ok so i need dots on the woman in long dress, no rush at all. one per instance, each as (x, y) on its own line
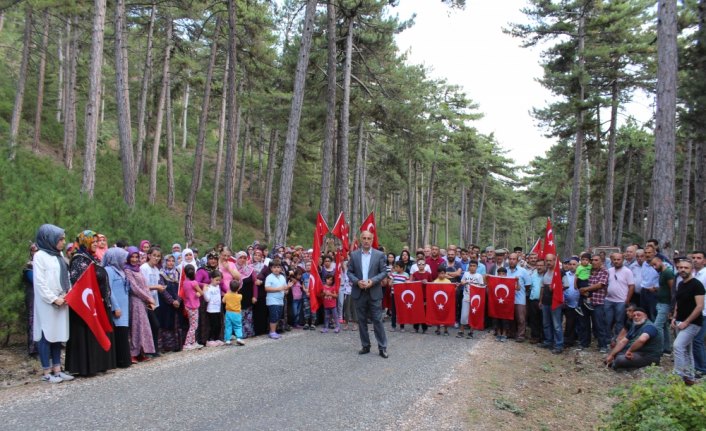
(114, 261)
(141, 341)
(84, 355)
(51, 313)
(169, 312)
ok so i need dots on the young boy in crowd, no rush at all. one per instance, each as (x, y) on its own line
(398, 276)
(583, 272)
(441, 278)
(471, 276)
(425, 277)
(234, 320)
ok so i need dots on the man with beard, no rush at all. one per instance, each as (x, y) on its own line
(664, 300)
(642, 346)
(434, 261)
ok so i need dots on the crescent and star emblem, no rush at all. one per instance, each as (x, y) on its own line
(475, 308)
(446, 299)
(501, 287)
(84, 297)
(414, 297)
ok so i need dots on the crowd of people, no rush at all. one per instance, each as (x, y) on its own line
(167, 300)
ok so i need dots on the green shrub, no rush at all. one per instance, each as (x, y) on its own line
(659, 402)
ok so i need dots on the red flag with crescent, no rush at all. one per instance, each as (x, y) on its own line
(557, 287)
(370, 226)
(338, 271)
(476, 311)
(409, 302)
(340, 231)
(86, 301)
(441, 304)
(501, 297)
(316, 288)
(321, 227)
(549, 244)
(537, 249)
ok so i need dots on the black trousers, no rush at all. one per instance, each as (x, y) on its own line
(154, 326)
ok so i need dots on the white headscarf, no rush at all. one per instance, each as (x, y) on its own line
(185, 263)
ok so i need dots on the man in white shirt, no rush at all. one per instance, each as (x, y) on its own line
(699, 260)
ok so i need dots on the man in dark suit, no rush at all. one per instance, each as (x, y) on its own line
(366, 269)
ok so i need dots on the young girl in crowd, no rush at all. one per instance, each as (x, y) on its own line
(309, 317)
(234, 320)
(425, 277)
(212, 295)
(295, 285)
(348, 306)
(330, 305)
(276, 287)
(191, 293)
(398, 276)
(469, 277)
(441, 278)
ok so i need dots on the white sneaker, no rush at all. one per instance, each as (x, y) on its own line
(50, 378)
(228, 343)
(239, 342)
(198, 346)
(63, 376)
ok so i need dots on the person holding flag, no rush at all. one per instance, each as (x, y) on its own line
(551, 315)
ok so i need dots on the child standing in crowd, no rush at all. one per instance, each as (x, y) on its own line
(212, 295)
(234, 321)
(425, 277)
(275, 286)
(583, 272)
(502, 326)
(398, 276)
(309, 317)
(191, 292)
(330, 305)
(441, 278)
(469, 277)
(348, 305)
(295, 285)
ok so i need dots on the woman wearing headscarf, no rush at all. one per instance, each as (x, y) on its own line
(144, 248)
(203, 278)
(227, 267)
(249, 291)
(28, 281)
(102, 246)
(188, 258)
(259, 313)
(113, 262)
(84, 355)
(171, 319)
(141, 342)
(51, 314)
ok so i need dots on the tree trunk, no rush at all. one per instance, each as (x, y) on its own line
(587, 218)
(290, 148)
(480, 210)
(430, 203)
(685, 190)
(462, 217)
(342, 175)
(446, 223)
(364, 173)
(170, 144)
(2, 20)
(623, 205)
(201, 142)
(330, 130)
(357, 175)
(95, 77)
(271, 152)
(185, 112)
(144, 93)
(122, 98)
(411, 193)
(160, 113)
(243, 161)
(469, 212)
(699, 197)
(260, 150)
(70, 96)
(610, 169)
(575, 203)
(663, 183)
(60, 78)
(232, 115)
(40, 81)
(21, 80)
(219, 155)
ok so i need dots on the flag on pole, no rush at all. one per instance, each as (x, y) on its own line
(340, 231)
(86, 300)
(441, 304)
(476, 312)
(549, 244)
(316, 288)
(501, 297)
(557, 286)
(537, 249)
(370, 226)
(409, 303)
(321, 226)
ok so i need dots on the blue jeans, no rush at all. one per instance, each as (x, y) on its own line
(47, 350)
(296, 310)
(614, 317)
(648, 301)
(683, 356)
(553, 332)
(234, 325)
(601, 325)
(699, 352)
(662, 324)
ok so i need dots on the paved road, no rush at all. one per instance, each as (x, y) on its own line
(305, 381)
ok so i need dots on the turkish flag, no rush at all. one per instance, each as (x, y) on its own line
(537, 249)
(338, 272)
(557, 287)
(316, 250)
(441, 304)
(501, 297)
(321, 227)
(476, 312)
(316, 288)
(370, 226)
(340, 231)
(86, 301)
(409, 302)
(549, 244)
(355, 245)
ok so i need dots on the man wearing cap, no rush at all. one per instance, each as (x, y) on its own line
(642, 345)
